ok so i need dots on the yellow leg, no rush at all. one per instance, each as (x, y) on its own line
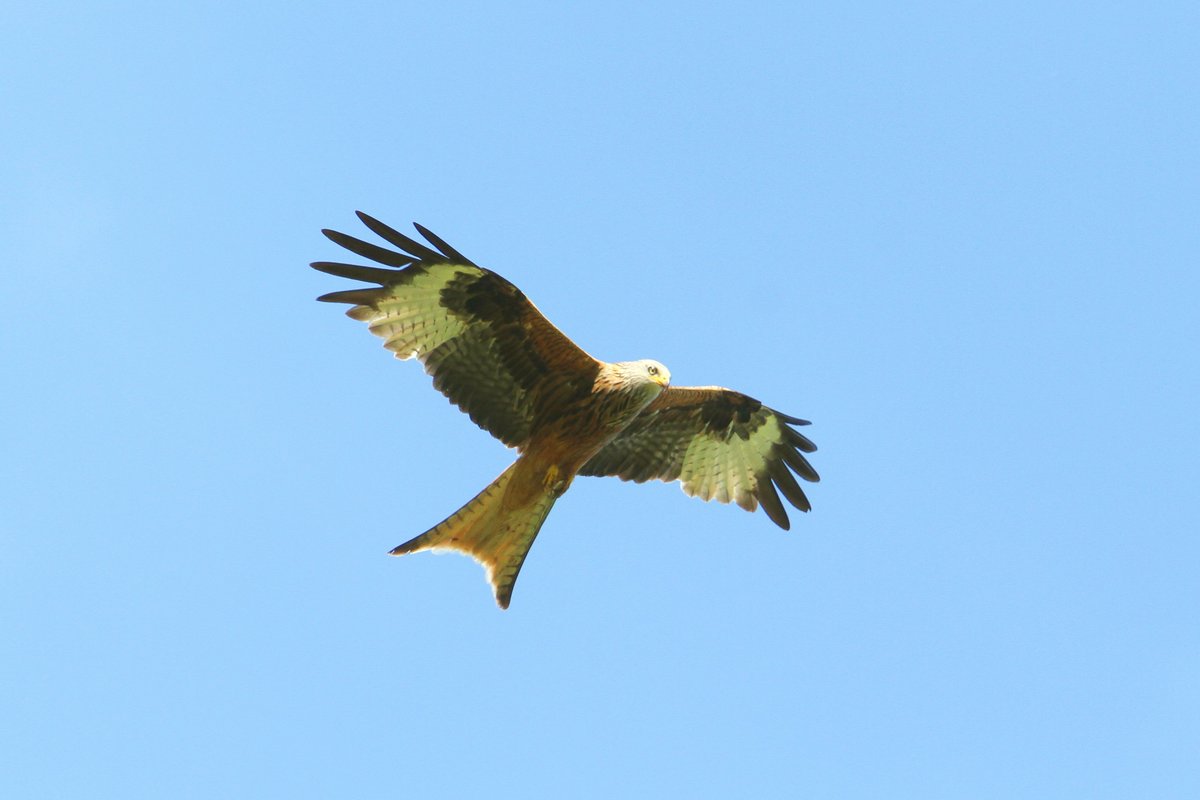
(553, 482)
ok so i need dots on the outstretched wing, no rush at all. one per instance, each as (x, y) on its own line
(720, 444)
(487, 347)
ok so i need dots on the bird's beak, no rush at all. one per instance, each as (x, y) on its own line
(661, 380)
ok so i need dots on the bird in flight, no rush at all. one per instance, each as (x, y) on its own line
(494, 355)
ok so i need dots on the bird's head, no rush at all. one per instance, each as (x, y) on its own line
(656, 372)
(646, 372)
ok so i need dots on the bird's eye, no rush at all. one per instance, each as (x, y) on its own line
(652, 370)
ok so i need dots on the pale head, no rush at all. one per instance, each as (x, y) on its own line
(645, 372)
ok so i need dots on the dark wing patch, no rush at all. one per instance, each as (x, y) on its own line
(719, 444)
(487, 347)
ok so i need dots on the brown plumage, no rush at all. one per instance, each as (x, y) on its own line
(518, 377)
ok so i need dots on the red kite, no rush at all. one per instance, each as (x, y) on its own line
(494, 355)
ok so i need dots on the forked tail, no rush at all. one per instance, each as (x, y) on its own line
(496, 536)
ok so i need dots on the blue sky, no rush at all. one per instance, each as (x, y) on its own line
(960, 238)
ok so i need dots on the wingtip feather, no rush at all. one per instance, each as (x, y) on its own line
(799, 440)
(768, 498)
(441, 245)
(406, 243)
(783, 479)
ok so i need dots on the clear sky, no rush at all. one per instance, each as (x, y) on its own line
(961, 238)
